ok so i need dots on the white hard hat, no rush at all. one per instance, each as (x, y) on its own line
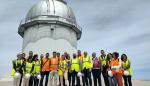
(17, 75)
(126, 73)
(110, 73)
(39, 76)
(27, 76)
(79, 74)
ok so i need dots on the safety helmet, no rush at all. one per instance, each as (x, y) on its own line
(126, 73)
(110, 73)
(79, 74)
(39, 76)
(27, 76)
(17, 75)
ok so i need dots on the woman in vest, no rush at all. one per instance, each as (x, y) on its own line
(117, 68)
(96, 69)
(75, 68)
(69, 68)
(127, 70)
(111, 78)
(37, 64)
(86, 66)
(62, 71)
(29, 70)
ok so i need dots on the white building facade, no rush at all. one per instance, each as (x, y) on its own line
(50, 25)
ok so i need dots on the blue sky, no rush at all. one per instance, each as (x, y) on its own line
(112, 25)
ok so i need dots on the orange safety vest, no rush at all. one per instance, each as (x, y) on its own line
(45, 63)
(54, 63)
(114, 62)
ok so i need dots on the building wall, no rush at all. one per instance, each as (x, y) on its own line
(45, 38)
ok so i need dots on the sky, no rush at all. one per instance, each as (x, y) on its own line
(111, 25)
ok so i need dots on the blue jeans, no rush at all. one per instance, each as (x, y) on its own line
(112, 81)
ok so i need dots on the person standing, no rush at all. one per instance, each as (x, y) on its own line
(117, 68)
(45, 65)
(87, 69)
(68, 60)
(80, 56)
(126, 65)
(17, 68)
(103, 58)
(29, 69)
(75, 68)
(37, 64)
(54, 62)
(111, 77)
(96, 69)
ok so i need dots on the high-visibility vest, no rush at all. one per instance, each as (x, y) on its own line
(29, 67)
(103, 60)
(125, 64)
(114, 62)
(54, 63)
(86, 62)
(45, 64)
(37, 65)
(15, 62)
(75, 64)
(62, 67)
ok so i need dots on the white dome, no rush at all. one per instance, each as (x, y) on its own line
(51, 8)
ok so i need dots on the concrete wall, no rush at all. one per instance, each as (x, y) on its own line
(45, 38)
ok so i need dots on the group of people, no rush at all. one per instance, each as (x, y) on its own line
(80, 69)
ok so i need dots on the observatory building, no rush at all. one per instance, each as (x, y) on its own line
(50, 25)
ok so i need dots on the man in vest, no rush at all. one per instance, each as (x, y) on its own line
(126, 65)
(103, 58)
(75, 68)
(86, 63)
(29, 69)
(54, 62)
(17, 68)
(30, 55)
(45, 64)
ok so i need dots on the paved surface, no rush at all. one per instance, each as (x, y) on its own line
(135, 83)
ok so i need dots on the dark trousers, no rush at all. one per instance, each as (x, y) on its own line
(75, 78)
(87, 77)
(36, 81)
(96, 76)
(31, 81)
(43, 74)
(105, 76)
(127, 80)
(69, 77)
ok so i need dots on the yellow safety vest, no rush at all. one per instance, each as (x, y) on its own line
(103, 60)
(37, 65)
(62, 65)
(29, 67)
(125, 64)
(86, 62)
(16, 62)
(75, 64)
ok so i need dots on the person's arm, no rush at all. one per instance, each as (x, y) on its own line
(24, 67)
(32, 69)
(14, 65)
